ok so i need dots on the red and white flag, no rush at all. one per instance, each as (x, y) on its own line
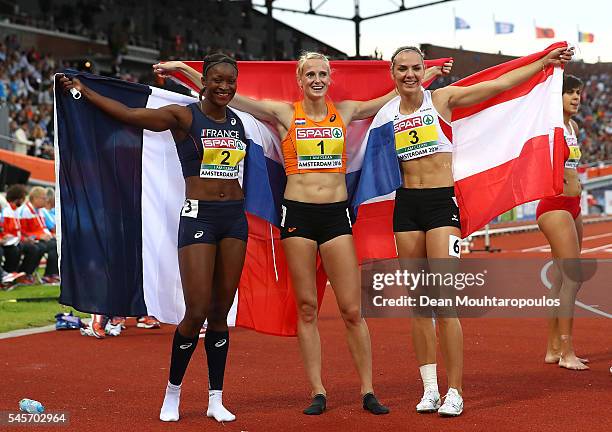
(508, 150)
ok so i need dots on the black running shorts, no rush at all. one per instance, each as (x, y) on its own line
(318, 222)
(210, 221)
(425, 209)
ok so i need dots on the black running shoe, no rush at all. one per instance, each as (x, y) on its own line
(371, 404)
(318, 405)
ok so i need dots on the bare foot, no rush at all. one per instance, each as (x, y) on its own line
(553, 357)
(572, 362)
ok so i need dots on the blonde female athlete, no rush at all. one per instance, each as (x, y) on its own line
(426, 216)
(315, 212)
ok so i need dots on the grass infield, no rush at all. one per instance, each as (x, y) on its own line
(31, 306)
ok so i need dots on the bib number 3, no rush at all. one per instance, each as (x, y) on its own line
(190, 208)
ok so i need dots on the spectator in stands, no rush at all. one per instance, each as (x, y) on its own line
(33, 226)
(7, 280)
(3, 87)
(20, 252)
(45, 96)
(48, 211)
(20, 134)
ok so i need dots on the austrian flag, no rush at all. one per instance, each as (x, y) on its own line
(508, 150)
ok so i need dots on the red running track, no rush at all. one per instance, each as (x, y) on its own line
(118, 383)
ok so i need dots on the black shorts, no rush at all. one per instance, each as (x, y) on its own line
(425, 209)
(318, 222)
(210, 221)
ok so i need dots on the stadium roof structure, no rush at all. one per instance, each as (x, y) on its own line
(357, 18)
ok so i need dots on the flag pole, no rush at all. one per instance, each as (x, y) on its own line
(494, 32)
(455, 27)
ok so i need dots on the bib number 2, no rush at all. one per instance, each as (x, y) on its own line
(226, 155)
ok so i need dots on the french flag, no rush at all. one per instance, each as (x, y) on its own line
(120, 190)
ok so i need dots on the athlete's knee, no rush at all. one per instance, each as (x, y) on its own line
(422, 323)
(196, 316)
(307, 312)
(217, 319)
(351, 315)
(448, 322)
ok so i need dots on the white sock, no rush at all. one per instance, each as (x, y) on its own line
(170, 408)
(216, 408)
(429, 377)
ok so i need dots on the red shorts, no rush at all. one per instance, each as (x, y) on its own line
(559, 202)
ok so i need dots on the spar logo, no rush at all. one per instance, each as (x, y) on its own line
(318, 133)
(409, 123)
(231, 143)
(428, 119)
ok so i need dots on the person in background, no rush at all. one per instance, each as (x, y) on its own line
(48, 211)
(33, 226)
(21, 135)
(8, 280)
(21, 253)
(560, 219)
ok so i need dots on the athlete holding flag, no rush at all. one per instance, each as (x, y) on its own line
(210, 141)
(426, 217)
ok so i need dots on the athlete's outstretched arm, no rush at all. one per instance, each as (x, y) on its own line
(157, 120)
(164, 69)
(454, 97)
(357, 110)
(266, 110)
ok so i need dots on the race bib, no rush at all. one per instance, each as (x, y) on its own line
(319, 147)
(415, 137)
(221, 157)
(190, 208)
(574, 157)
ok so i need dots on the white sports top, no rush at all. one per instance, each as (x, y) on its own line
(421, 133)
(574, 150)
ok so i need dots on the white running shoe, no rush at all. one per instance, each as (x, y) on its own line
(112, 329)
(430, 402)
(453, 404)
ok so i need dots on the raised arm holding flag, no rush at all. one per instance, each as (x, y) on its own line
(433, 206)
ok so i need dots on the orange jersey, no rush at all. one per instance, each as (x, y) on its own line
(315, 146)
